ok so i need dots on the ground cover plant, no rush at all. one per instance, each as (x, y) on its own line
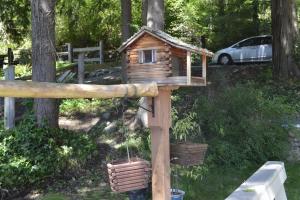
(30, 155)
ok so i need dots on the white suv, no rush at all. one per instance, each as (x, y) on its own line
(254, 49)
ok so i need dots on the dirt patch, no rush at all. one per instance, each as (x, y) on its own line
(82, 124)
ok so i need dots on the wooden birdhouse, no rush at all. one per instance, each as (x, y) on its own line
(155, 56)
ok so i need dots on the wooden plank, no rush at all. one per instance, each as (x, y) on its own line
(148, 77)
(62, 53)
(157, 64)
(204, 67)
(152, 68)
(130, 173)
(64, 76)
(159, 125)
(127, 164)
(24, 89)
(133, 179)
(161, 71)
(86, 49)
(9, 102)
(198, 80)
(70, 52)
(101, 52)
(80, 73)
(157, 48)
(178, 52)
(188, 67)
(88, 60)
(146, 41)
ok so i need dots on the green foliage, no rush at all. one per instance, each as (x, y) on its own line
(186, 127)
(72, 106)
(244, 126)
(85, 22)
(29, 154)
(14, 17)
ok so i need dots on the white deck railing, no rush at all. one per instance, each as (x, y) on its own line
(267, 183)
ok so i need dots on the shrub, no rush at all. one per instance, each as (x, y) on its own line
(69, 107)
(244, 125)
(29, 154)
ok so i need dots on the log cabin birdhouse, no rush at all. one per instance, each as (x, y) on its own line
(155, 56)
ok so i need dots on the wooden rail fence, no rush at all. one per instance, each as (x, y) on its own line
(71, 52)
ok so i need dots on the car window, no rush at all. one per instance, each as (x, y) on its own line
(266, 40)
(246, 43)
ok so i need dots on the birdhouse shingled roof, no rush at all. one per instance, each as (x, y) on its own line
(175, 42)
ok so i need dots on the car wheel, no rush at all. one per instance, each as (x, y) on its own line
(224, 59)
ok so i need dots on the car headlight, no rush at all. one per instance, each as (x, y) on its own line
(215, 57)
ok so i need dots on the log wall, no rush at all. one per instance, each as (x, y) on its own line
(161, 69)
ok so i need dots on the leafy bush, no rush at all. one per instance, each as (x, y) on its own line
(244, 125)
(29, 154)
(73, 106)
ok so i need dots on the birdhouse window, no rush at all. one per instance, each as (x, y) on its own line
(147, 56)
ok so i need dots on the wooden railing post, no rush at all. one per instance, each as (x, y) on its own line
(159, 123)
(9, 102)
(70, 52)
(80, 68)
(188, 68)
(204, 67)
(101, 52)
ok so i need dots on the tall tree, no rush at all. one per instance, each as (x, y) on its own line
(126, 20)
(285, 33)
(155, 14)
(255, 18)
(144, 12)
(43, 57)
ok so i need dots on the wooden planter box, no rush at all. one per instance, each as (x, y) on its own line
(126, 176)
(188, 154)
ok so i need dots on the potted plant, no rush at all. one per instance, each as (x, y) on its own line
(188, 147)
(177, 194)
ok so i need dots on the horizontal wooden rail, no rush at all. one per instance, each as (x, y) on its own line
(89, 60)
(86, 49)
(26, 89)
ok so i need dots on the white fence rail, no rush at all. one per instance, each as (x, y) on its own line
(70, 53)
(267, 183)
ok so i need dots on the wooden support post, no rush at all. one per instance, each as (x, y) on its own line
(80, 68)
(9, 102)
(204, 67)
(188, 68)
(70, 52)
(159, 123)
(101, 52)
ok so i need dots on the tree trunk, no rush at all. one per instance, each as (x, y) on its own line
(155, 15)
(144, 12)
(126, 19)
(43, 57)
(255, 18)
(285, 32)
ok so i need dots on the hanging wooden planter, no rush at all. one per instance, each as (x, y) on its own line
(126, 176)
(188, 154)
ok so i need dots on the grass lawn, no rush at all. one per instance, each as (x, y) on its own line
(217, 185)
